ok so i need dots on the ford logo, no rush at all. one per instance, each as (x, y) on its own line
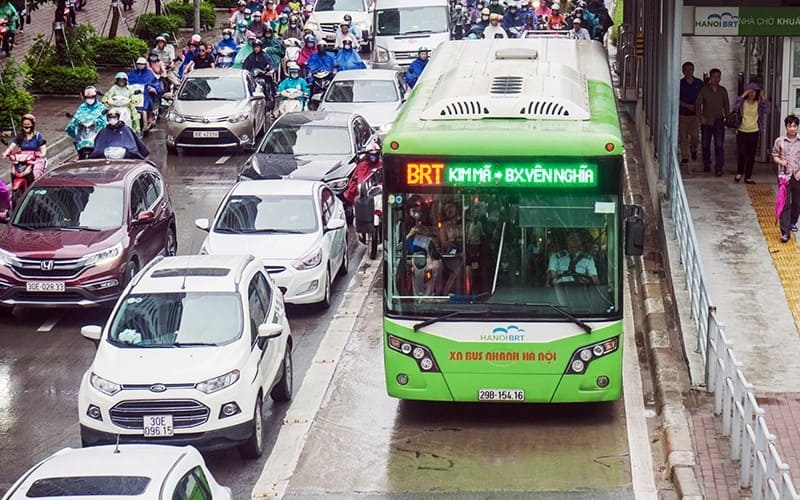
(158, 388)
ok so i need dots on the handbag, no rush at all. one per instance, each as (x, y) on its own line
(734, 119)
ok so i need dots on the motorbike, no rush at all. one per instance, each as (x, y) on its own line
(293, 48)
(86, 131)
(319, 83)
(24, 172)
(291, 101)
(225, 56)
(266, 80)
(139, 90)
(125, 105)
(367, 208)
(6, 37)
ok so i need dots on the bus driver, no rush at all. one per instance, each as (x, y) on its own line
(571, 265)
(422, 249)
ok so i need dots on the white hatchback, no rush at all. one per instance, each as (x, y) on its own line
(188, 356)
(145, 472)
(297, 226)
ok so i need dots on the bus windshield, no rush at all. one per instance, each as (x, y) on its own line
(518, 252)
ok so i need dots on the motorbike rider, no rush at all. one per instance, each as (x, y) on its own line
(294, 81)
(348, 58)
(556, 21)
(495, 7)
(478, 28)
(295, 28)
(309, 48)
(458, 18)
(274, 48)
(90, 110)
(258, 26)
(524, 8)
(343, 34)
(240, 35)
(353, 29)
(578, 31)
(8, 11)
(257, 59)
(155, 65)
(417, 66)
(530, 24)
(542, 9)
(227, 42)
(370, 162)
(28, 139)
(513, 20)
(141, 75)
(166, 53)
(269, 14)
(321, 60)
(117, 134)
(121, 88)
(494, 30)
(188, 53)
(281, 26)
(238, 16)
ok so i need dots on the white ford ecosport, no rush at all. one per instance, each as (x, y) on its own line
(188, 355)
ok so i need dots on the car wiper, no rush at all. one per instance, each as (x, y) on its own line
(559, 309)
(24, 226)
(227, 230)
(87, 228)
(416, 32)
(451, 314)
(264, 231)
(192, 344)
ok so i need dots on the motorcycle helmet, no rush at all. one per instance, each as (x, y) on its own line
(160, 38)
(141, 61)
(257, 16)
(257, 42)
(310, 38)
(486, 11)
(241, 25)
(322, 46)
(287, 11)
(292, 67)
(227, 31)
(422, 49)
(348, 18)
(196, 39)
(555, 7)
(251, 37)
(495, 17)
(248, 12)
(241, 3)
(28, 116)
(373, 150)
(89, 92)
(121, 76)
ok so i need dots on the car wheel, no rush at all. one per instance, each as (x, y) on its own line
(254, 446)
(173, 150)
(345, 267)
(131, 270)
(326, 297)
(282, 391)
(171, 243)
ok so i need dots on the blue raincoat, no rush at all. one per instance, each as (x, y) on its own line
(415, 70)
(318, 62)
(348, 59)
(122, 137)
(86, 113)
(146, 78)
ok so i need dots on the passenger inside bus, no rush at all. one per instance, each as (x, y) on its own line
(421, 244)
(451, 243)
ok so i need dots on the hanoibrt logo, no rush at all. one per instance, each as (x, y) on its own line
(722, 20)
(510, 333)
(716, 21)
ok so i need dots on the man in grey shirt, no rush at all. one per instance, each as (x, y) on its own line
(712, 106)
(786, 154)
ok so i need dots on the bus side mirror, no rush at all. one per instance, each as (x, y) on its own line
(634, 230)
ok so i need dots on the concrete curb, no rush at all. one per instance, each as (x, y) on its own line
(652, 282)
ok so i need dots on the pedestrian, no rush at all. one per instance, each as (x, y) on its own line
(712, 106)
(754, 107)
(786, 154)
(688, 125)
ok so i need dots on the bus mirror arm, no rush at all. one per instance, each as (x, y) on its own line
(634, 230)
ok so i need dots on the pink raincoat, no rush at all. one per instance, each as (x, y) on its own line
(780, 196)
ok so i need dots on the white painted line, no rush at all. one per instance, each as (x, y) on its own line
(641, 455)
(49, 324)
(281, 464)
(222, 159)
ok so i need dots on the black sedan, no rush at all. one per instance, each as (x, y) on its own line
(316, 145)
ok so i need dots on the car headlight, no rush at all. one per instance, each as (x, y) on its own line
(103, 256)
(381, 54)
(107, 387)
(239, 117)
(174, 117)
(339, 184)
(7, 258)
(310, 261)
(218, 383)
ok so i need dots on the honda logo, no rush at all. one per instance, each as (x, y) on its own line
(46, 265)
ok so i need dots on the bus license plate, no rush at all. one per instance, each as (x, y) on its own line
(44, 286)
(205, 134)
(501, 395)
(158, 426)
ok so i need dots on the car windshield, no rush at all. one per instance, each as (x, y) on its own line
(362, 91)
(212, 89)
(409, 20)
(176, 319)
(267, 214)
(353, 5)
(307, 140)
(71, 207)
(84, 486)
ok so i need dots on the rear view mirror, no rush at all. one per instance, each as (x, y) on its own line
(92, 332)
(269, 330)
(375, 191)
(634, 230)
(203, 224)
(257, 95)
(145, 217)
(335, 224)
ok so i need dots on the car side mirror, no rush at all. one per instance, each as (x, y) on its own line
(257, 96)
(375, 191)
(335, 224)
(634, 230)
(4, 217)
(269, 330)
(203, 224)
(92, 332)
(145, 217)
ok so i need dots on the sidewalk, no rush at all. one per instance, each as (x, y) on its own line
(754, 285)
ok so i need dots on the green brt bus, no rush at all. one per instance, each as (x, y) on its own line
(503, 226)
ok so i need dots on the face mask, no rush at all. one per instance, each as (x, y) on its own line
(284, 21)
(484, 18)
(140, 66)
(226, 37)
(373, 157)
(27, 127)
(90, 101)
(310, 45)
(113, 121)
(294, 74)
(153, 59)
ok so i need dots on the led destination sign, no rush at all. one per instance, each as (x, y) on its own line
(507, 174)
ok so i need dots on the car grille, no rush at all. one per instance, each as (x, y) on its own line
(405, 55)
(185, 413)
(61, 268)
(205, 119)
(328, 28)
(44, 298)
(225, 137)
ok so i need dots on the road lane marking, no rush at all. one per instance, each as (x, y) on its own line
(49, 324)
(643, 482)
(283, 460)
(222, 159)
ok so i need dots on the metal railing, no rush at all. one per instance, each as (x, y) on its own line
(626, 58)
(743, 421)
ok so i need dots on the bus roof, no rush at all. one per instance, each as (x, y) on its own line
(536, 96)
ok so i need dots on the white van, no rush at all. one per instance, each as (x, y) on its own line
(403, 26)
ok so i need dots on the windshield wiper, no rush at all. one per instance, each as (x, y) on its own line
(24, 226)
(451, 314)
(285, 231)
(415, 32)
(559, 309)
(192, 344)
(87, 228)
(227, 230)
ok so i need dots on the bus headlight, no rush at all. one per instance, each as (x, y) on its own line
(581, 358)
(419, 353)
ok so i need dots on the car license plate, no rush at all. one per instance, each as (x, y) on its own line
(501, 395)
(205, 134)
(158, 425)
(44, 286)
